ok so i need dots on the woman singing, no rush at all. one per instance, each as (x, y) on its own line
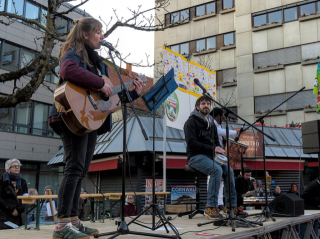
(80, 64)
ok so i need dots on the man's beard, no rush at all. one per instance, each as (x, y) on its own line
(204, 111)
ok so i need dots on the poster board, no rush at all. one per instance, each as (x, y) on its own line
(181, 103)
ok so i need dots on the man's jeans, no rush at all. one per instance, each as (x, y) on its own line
(205, 165)
(78, 153)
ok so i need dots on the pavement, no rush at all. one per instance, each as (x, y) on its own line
(187, 228)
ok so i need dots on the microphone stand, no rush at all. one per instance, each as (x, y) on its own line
(123, 227)
(230, 219)
(267, 211)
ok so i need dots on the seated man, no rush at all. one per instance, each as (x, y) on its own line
(243, 184)
(200, 132)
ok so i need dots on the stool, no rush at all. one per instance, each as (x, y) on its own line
(191, 213)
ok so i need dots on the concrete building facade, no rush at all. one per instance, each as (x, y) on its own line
(263, 51)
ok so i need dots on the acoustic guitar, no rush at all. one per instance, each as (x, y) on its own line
(85, 110)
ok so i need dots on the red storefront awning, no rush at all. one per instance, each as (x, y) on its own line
(178, 162)
(313, 164)
(103, 164)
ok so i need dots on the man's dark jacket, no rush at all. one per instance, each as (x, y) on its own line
(199, 136)
(9, 202)
(242, 186)
(311, 195)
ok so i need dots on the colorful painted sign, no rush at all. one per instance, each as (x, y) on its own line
(180, 104)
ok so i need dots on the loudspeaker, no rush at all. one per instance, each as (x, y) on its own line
(310, 137)
(289, 205)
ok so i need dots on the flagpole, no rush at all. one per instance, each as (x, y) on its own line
(164, 159)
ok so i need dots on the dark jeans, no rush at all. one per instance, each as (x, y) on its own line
(78, 152)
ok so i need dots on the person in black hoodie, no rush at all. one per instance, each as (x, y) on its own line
(243, 184)
(11, 185)
(200, 133)
(311, 197)
(80, 64)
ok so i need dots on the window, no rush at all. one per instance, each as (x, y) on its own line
(184, 15)
(275, 17)
(318, 7)
(180, 16)
(230, 75)
(43, 17)
(301, 100)
(307, 9)
(175, 48)
(17, 7)
(227, 4)
(32, 12)
(23, 115)
(40, 119)
(50, 77)
(200, 10)
(2, 4)
(10, 57)
(182, 49)
(201, 45)
(282, 56)
(264, 103)
(211, 43)
(6, 118)
(290, 14)
(206, 44)
(211, 7)
(260, 20)
(310, 51)
(228, 39)
(205, 9)
(26, 57)
(61, 26)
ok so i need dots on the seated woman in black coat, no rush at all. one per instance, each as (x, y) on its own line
(11, 186)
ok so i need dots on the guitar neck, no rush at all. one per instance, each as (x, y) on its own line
(116, 89)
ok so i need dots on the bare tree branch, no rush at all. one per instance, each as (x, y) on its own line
(71, 9)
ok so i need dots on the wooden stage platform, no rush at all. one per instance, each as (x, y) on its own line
(183, 224)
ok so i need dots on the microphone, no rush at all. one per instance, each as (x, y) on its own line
(238, 136)
(107, 44)
(199, 84)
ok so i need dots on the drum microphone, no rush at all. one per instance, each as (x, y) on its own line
(238, 136)
(108, 45)
(197, 82)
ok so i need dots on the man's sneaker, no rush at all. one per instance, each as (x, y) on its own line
(220, 207)
(69, 232)
(236, 211)
(212, 213)
(86, 230)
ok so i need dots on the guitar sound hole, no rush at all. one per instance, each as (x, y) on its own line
(103, 96)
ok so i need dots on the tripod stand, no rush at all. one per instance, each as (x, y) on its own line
(231, 219)
(153, 99)
(267, 212)
(123, 227)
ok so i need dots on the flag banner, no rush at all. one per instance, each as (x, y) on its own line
(316, 89)
(181, 103)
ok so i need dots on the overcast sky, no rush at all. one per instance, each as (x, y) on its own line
(137, 43)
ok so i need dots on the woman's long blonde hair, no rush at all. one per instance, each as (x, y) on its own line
(76, 40)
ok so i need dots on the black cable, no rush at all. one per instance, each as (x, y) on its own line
(204, 229)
